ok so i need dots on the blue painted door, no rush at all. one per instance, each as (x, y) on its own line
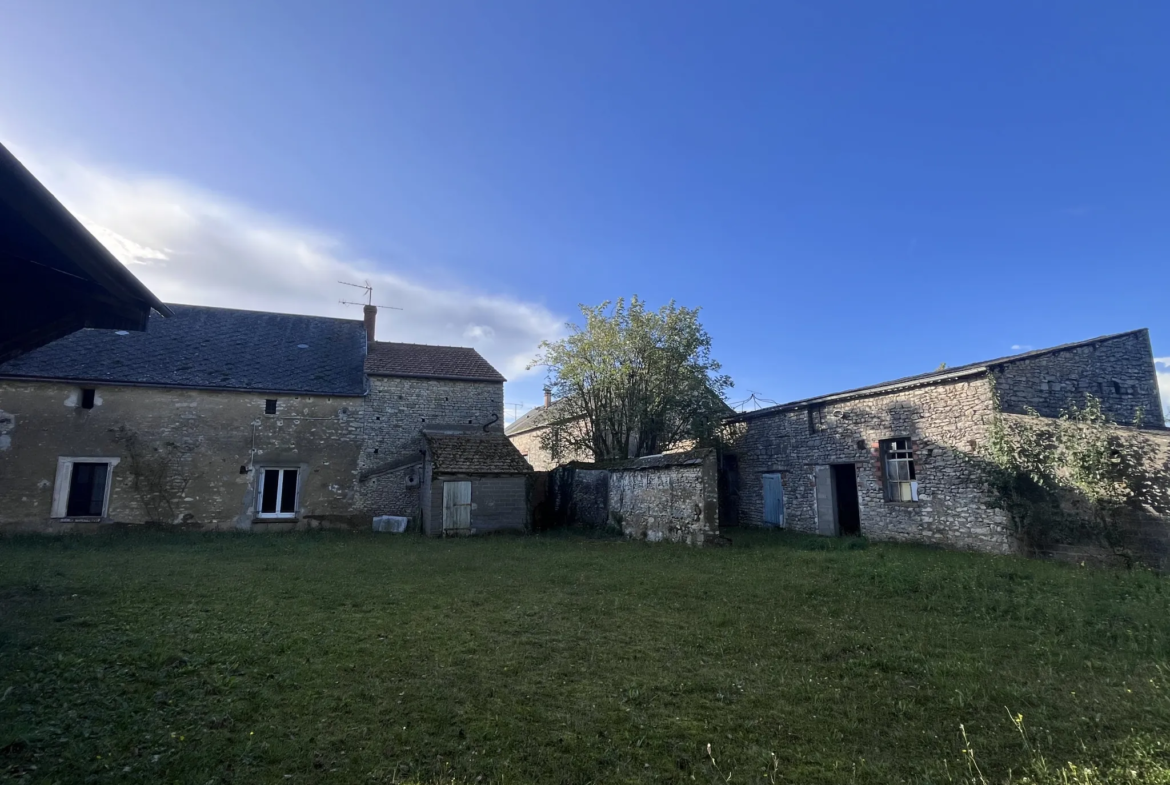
(773, 500)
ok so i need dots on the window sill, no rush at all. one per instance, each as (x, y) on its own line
(276, 519)
(82, 519)
(893, 503)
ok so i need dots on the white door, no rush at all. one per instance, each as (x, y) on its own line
(457, 506)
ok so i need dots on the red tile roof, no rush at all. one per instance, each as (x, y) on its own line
(475, 453)
(422, 361)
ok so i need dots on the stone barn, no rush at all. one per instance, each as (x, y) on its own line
(889, 461)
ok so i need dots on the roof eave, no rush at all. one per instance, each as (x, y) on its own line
(442, 377)
(159, 385)
(37, 205)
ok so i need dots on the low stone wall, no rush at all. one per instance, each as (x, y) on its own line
(672, 497)
(580, 496)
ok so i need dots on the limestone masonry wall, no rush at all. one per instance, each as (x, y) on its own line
(1120, 371)
(677, 501)
(215, 440)
(396, 412)
(942, 420)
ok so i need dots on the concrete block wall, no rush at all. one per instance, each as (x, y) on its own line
(498, 503)
(213, 435)
(1120, 371)
(943, 421)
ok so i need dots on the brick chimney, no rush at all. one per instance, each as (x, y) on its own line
(547, 397)
(371, 315)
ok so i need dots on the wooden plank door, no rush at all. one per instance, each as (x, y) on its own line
(457, 506)
(826, 502)
(773, 500)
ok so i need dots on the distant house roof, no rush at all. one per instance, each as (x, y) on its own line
(692, 457)
(935, 377)
(540, 417)
(57, 277)
(422, 361)
(211, 348)
(481, 453)
(558, 411)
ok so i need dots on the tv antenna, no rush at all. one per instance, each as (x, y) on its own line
(369, 290)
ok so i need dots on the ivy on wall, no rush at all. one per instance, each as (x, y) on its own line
(1074, 479)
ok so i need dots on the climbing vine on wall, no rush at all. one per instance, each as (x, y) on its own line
(1075, 478)
(158, 474)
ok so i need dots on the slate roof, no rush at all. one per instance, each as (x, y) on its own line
(538, 418)
(934, 377)
(211, 348)
(475, 453)
(422, 361)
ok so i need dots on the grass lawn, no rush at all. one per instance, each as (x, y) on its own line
(361, 658)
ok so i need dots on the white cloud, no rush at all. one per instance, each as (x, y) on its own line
(192, 246)
(1022, 347)
(1162, 366)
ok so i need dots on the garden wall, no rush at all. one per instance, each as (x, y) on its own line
(672, 497)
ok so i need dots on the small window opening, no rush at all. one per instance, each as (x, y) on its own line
(1117, 387)
(898, 462)
(277, 494)
(816, 418)
(87, 397)
(270, 406)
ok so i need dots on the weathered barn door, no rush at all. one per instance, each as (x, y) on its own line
(773, 500)
(826, 502)
(457, 506)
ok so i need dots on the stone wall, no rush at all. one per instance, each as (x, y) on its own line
(1120, 371)
(1143, 530)
(396, 411)
(669, 497)
(213, 442)
(942, 420)
(580, 496)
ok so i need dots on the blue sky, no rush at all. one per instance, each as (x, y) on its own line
(852, 192)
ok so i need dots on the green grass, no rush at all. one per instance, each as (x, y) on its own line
(354, 658)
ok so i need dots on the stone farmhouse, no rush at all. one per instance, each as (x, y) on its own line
(528, 430)
(888, 461)
(227, 419)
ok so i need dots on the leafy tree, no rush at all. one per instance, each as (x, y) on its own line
(632, 382)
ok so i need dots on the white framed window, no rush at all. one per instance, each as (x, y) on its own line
(898, 463)
(82, 487)
(278, 492)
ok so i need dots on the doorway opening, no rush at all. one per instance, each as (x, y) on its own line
(846, 501)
